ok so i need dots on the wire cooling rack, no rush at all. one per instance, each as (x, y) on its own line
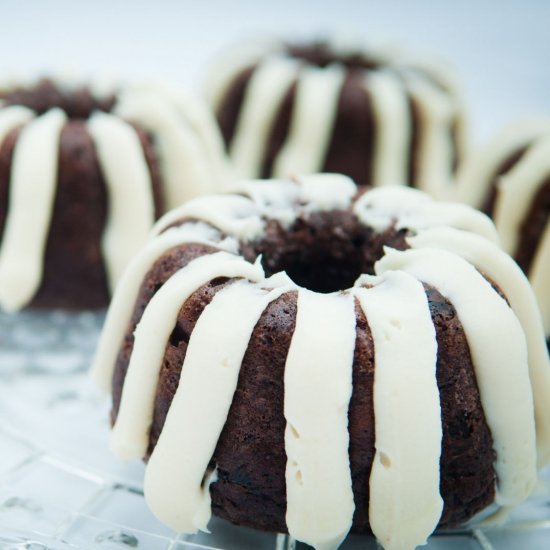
(60, 487)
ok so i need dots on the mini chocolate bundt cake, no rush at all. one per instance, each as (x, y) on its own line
(85, 170)
(379, 117)
(307, 356)
(509, 179)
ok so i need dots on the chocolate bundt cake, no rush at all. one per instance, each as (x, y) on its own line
(84, 173)
(313, 357)
(509, 179)
(378, 117)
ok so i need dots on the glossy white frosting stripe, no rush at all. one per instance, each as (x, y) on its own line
(499, 356)
(312, 120)
(32, 194)
(194, 112)
(477, 173)
(393, 128)
(232, 214)
(437, 112)
(264, 95)
(180, 153)
(130, 433)
(407, 412)
(516, 192)
(503, 271)
(131, 211)
(318, 387)
(539, 275)
(200, 406)
(11, 117)
(124, 299)
(412, 209)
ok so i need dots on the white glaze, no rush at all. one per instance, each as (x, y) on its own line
(30, 207)
(181, 154)
(312, 120)
(499, 356)
(437, 112)
(407, 412)
(318, 386)
(11, 117)
(121, 307)
(128, 182)
(476, 174)
(130, 433)
(540, 277)
(516, 192)
(505, 273)
(264, 95)
(200, 406)
(393, 128)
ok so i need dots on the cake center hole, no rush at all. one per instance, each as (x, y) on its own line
(322, 55)
(77, 102)
(325, 253)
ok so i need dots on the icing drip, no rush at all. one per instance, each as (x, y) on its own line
(128, 182)
(516, 191)
(475, 176)
(318, 386)
(264, 94)
(130, 434)
(120, 311)
(407, 412)
(32, 195)
(540, 277)
(181, 154)
(393, 131)
(11, 117)
(499, 355)
(505, 273)
(437, 113)
(312, 121)
(231, 214)
(414, 210)
(200, 406)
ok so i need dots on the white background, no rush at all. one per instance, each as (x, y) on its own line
(501, 49)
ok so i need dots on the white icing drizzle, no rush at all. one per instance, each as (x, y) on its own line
(124, 299)
(264, 95)
(407, 412)
(475, 175)
(30, 207)
(223, 70)
(437, 112)
(393, 128)
(499, 356)
(200, 406)
(11, 117)
(318, 387)
(312, 120)
(326, 192)
(192, 111)
(130, 433)
(412, 209)
(231, 214)
(516, 191)
(128, 182)
(540, 277)
(181, 154)
(504, 272)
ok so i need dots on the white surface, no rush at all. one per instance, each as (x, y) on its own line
(500, 48)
